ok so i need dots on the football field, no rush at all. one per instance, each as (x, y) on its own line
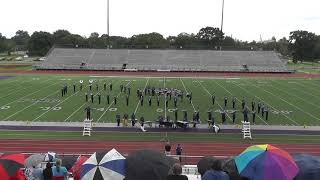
(34, 98)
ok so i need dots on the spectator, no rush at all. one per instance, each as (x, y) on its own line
(47, 173)
(216, 172)
(59, 172)
(38, 173)
(179, 152)
(176, 173)
(28, 173)
(167, 148)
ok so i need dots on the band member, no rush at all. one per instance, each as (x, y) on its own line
(233, 102)
(225, 101)
(127, 100)
(88, 112)
(115, 100)
(99, 98)
(108, 98)
(105, 86)
(86, 96)
(74, 88)
(91, 97)
(110, 86)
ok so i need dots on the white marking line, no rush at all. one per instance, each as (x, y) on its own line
(21, 89)
(110, 105)
(290, 104)
(29, 106)
(313, 83)
(310, 88)
(239, 101)
(165, 98)
(316, 106)
(194, 109)
(268, 105)
(30, 94)
(14, 86)
(82, 106)
(137, 106)
(204, 88)
(56, 105)
(169, 77)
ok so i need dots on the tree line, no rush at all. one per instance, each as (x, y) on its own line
(301, 45)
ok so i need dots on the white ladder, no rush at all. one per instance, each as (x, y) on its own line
(87, 127)
(246, 130)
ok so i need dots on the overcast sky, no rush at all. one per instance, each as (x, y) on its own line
(244, 19)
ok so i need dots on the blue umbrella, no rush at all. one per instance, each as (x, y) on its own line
(103, 165)
(309, 166)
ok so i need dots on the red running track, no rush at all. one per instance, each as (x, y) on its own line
(189, 148)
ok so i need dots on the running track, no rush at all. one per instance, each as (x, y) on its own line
(189, 148)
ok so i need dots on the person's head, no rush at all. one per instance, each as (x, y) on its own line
(58, 162)
(217, 165)
(48, 165)
(176, 169)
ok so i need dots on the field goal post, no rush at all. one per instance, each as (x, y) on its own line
(87, 127)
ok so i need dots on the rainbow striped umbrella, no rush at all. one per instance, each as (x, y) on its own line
(265, 162)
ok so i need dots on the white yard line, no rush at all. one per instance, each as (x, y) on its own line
(165, 98)
(187, 92)
(56, 105)
(110, 105)
(29, 106)
(240, 101)
(309, 93)
(267, 104)
(81, 106)
(288, 103)
(14, 86)
(137, 106)
(13, 92)
(205, 89)
(315, 105)
(30, 94)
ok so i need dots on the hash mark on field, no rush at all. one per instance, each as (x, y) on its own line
(56, 105)
(20, 89)
(29, 106)
(30, 94)
(268, 104)
(290, 104)
(316, 106)
(110, 105)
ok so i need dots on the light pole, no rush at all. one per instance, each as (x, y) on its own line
(222, 13)
(108, 32)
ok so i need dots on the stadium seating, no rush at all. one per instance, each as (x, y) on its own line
(153, 60)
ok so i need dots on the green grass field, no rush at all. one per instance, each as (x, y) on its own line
(36, 98)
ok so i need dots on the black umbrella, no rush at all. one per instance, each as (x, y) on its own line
(229, 166)
(309, 167)
(205, 164)
(148, 165)
(68, 161)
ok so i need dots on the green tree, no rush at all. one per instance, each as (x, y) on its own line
(302, 45)
(62, 37)
(40, 43)
(210, 36)
(21, 39)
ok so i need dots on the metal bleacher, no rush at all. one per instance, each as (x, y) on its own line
(154, 60)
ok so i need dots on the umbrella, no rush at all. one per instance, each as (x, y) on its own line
(229, 166)
(34, 160)
(265, 162)
(103, 165)
(10, 164)
(309, 166)
(50, 156)
(76, 168)
(205, 164)
(148, 165)
(68, 161)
